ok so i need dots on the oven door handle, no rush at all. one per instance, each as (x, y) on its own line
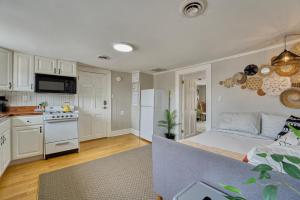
(60, 120)
(62, 143)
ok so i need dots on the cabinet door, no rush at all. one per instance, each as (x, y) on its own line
(5, 69)
(45, 65)
(6, 149)
(23, 75)
(27, 142)
(66, 68)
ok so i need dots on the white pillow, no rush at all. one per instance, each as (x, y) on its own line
(243, 122)
(272, 124)
(288, 140)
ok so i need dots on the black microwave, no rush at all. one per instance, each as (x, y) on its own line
(55, 84)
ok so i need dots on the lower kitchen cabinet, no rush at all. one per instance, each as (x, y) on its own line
(27, 137)
(5, 145)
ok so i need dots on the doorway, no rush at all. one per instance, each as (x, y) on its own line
(93, 105)
(193, 100)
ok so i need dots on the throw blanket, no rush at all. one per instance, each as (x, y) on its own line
(254, 159)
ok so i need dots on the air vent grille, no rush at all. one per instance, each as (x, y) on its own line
(193, 8)
(158, 70)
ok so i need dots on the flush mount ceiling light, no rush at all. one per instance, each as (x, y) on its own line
(123, 47)
(193, 8)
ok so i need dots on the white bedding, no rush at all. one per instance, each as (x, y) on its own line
(235, 142)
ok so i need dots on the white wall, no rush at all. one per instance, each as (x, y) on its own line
(233, 99)
(238, 100)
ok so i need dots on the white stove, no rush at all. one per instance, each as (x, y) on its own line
(58, 115)
(61, 131)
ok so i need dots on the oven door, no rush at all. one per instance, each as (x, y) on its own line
(60, 130)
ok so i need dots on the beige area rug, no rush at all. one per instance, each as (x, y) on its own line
(126, 175)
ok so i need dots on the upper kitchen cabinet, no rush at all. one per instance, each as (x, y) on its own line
(5, 69)
(55, 67)
(67, 68)
(23, 72)
(45, 65)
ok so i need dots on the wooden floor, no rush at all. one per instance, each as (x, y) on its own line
(21, 181)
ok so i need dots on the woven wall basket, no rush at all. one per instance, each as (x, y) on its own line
(291, 98)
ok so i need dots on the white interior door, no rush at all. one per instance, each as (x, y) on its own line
(189, 99)
(93, 106)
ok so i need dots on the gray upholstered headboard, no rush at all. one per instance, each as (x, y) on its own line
(176, 165)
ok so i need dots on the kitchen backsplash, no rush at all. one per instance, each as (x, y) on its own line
(33, 99)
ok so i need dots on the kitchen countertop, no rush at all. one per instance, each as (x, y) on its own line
(20, 111)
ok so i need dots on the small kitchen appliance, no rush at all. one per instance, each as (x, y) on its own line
(45, 83)
(61, 131)
(3, 104)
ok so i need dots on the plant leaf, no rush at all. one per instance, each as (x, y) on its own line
(270, 192)
(264, 155)
(250, 181)
(293, 159)
(232, 189)
(277, 157)
(262, 167)
(264, 175)
(234, 198)
(291, 170)
(294, 130)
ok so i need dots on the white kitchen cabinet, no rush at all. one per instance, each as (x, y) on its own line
(27, 137)
(51, 66)
(5, 69)
(45, 65)
(5, 145)
(23, 72)
(67, 68)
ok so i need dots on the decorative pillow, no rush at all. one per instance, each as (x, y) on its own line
(272, 124)
(292, 120)
(243, 122)
(288, 140)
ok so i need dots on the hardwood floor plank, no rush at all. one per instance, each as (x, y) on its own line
(21, 181)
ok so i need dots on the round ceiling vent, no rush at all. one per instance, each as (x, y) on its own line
(193, 8)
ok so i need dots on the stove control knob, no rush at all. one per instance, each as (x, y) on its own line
(71, 115)
(57, 116)
(53, 116)
(62, 116)
(67, 115)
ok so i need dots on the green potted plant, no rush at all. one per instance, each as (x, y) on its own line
(170, 121)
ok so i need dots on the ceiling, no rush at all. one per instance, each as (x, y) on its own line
(81, 30)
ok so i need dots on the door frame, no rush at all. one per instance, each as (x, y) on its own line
(178, 102)
(91, 69)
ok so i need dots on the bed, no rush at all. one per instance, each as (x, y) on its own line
(233, 145)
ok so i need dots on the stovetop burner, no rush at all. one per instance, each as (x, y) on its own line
(55, 113)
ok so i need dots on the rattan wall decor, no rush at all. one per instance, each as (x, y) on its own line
(267, 80)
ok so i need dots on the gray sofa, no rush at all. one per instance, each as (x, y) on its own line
(176, 165)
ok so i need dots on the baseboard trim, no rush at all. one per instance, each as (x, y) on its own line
(135, 132)
(124, 132)
(120, 132)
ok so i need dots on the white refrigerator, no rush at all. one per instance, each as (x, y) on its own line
(153, 106)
